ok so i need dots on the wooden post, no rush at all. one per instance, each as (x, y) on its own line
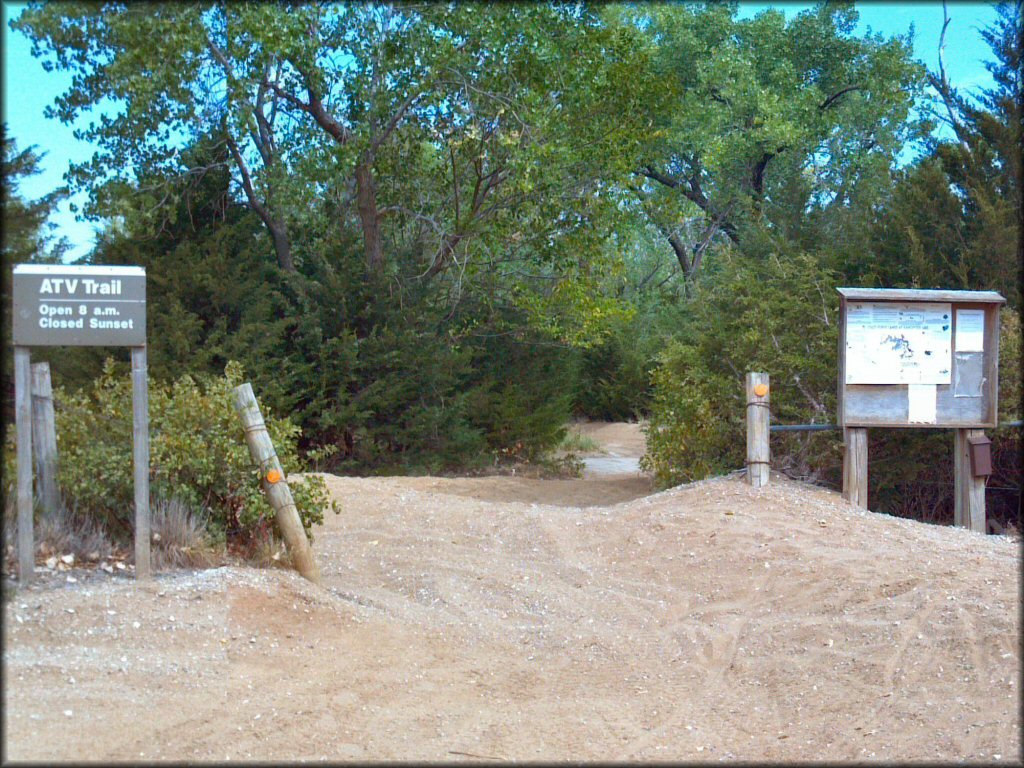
(968, 490)
(286, 514)
(140, 452)
(758, 416)
(23, 426)
(44, 438)
(855, 466)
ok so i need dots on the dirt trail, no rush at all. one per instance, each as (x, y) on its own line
(473, 619)
(620, 447)
(612, 438)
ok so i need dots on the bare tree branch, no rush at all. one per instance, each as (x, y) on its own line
(278, 231)
(837, 95)
(393, 122)
(662, 178)
(942, 86)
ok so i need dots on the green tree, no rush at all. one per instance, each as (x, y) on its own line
(954, 219)
(763, 121)
(415, 384)
(26, 234)
(773, 312)
(27, 237)
(400, 115)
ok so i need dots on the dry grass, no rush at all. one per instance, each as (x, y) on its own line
(261, 548)
(62, 532)
(180, 537)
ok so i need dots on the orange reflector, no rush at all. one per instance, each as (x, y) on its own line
(761, 390)
(273, 476)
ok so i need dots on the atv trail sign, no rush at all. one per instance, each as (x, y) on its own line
(57, 305)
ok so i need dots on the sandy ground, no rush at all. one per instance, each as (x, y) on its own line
(514, 619)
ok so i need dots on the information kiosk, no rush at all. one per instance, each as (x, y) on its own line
(920, 359)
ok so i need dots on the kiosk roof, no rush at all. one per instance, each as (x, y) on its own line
(914, 294)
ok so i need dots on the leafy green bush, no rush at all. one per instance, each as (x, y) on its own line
(520, 395)
(777, 315)
(379, 382)
(614, 381)
(1010, 369)
(577, 442)
(198, 454)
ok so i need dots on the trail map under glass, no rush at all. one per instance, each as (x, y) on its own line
(898, 343)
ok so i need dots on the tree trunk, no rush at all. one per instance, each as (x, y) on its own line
(282, 245)
(680, 251)
(278, 229)
(369, 217)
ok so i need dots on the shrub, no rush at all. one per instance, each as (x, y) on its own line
(577, 442)
(198, 454)
(69, 531)
(614, 382)
(774, 314)
(520, 397)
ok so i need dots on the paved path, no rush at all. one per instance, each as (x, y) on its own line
(611, 465)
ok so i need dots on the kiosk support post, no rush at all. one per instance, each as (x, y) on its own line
(855, 466)
(968, 489)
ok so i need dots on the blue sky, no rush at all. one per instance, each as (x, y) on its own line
(28, 89)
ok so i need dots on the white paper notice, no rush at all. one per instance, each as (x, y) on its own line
(898, 343)
(970, 330)
(921, 402)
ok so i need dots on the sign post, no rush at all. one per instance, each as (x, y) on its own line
(60, 305)
(44, 438)
(919, 359)
(23, 427)
(140, 458)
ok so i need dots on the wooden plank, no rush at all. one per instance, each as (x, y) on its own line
(959, 456)
(886, 405)
(44, 438)
(140, 453)
(23, 427)
(758, 418)
(917, 294)
(286, 514)
(991, 344)
(968, 491)
(841, 384)
(855, 466)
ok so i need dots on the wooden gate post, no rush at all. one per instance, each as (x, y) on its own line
(968, 490)
(758, 415)
(855, 466)
(44, 438)
(23, 426)
(286, 514)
